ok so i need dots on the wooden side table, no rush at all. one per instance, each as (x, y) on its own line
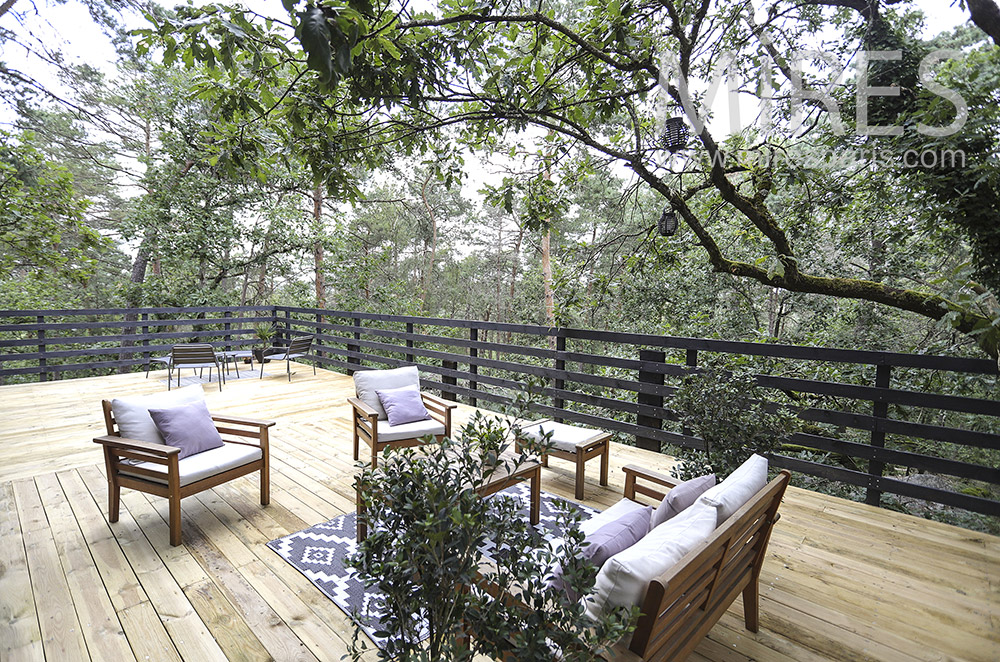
(575, 444)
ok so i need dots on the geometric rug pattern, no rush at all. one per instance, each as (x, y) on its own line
(321, 551)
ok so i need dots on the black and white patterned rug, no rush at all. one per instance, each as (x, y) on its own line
(321, 552)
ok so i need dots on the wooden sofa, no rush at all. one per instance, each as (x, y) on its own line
(683, 604)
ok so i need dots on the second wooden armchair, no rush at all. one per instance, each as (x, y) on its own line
(371, 423)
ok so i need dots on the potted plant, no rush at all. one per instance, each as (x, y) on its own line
(727, 409)
(265, 334)
(438, 601)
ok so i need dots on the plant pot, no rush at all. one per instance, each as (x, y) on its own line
(258, 355)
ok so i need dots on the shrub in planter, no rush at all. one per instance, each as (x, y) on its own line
(422, 554)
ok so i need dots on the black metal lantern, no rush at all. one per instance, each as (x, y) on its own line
(675, 134)
(667, 225)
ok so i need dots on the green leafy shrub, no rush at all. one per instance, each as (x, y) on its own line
(726, 409)
(426, 525)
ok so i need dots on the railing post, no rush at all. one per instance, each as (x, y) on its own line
(319, 352)
(288, 327)
(451, 381)
(559, 383)
(409, 341)
(228, 327)
(354, 348)
(43, 376)
(145, 341)
(473, 366)
(646, 377)
(691, 361)
(880, 410)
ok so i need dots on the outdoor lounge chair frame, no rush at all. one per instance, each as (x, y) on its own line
(117, 450)
(297, 348)
(194, 356)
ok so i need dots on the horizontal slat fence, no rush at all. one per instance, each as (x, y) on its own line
(883, 415)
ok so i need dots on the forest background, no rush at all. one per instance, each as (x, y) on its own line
(123, 188)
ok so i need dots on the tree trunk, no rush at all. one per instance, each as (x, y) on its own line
(318, 247)
(137, 276)
(429, 267)
(550, 300)
(986, 15)
(514, 268)
(5, 7)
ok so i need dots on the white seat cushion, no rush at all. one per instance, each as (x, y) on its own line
(564, 437)
(208, 463)
(729, 496)
(624, 578)
(366, 382)
(412, 430)
(132, 413)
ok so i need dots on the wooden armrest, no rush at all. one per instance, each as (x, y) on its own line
(136, 445)
(652, 476)
(446, 404)
(243, 421)
(363, 408)
(656, 491)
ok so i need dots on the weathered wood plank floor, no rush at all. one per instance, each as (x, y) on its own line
(843, 581)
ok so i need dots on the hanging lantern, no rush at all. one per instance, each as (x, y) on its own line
(667, 225)
(675, 134)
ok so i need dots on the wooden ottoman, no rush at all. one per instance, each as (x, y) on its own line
(573, 443)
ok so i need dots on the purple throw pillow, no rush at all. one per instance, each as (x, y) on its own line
(187, 427)
(681, 497)
(403, 405)
(617, 535)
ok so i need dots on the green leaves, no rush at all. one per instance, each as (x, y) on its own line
(314, 35)
(426, 525)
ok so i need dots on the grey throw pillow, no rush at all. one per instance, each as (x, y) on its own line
(681, 497)
(187, 427)
(132, 413)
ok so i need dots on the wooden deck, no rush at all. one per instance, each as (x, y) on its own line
(843, 581)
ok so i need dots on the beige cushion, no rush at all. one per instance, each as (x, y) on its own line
(367, 382)
(412, 430)
(564, 437)
(208, 463)
(624, 578)
(132, 413)
(729, 496)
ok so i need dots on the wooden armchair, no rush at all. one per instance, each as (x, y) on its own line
(372, 426)
(154, 468)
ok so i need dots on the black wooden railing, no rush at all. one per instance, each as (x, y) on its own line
(867, 412)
